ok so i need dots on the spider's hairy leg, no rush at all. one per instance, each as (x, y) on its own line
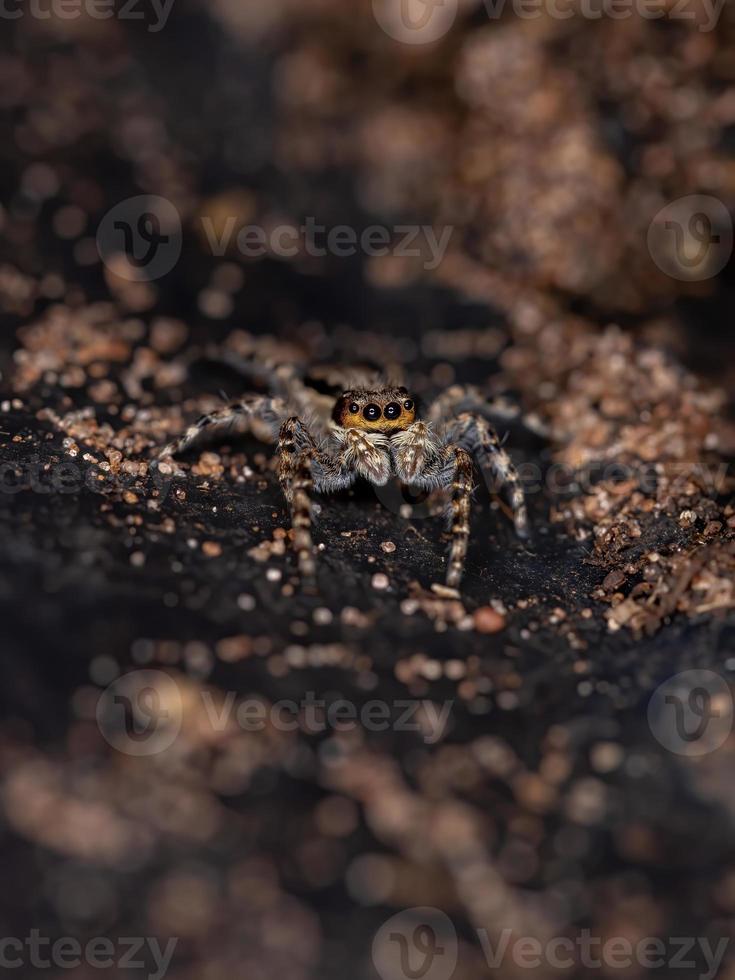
(258, 414)
(296, 450)
(421, 460)
(303, 466)
(478, 437)
(460, 399)
(460, 516)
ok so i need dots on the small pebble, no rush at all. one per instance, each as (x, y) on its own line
(606, 756)
(380, 581)
(444, 591)
(388, 547)
(613, 581)
(486, 620)
(212, 549)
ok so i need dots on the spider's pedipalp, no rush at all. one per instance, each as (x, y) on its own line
(415, 452)
(477, 436)
(258, 414)
(420, 460)
(365, 453)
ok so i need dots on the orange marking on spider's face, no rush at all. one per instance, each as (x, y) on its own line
(375, 411)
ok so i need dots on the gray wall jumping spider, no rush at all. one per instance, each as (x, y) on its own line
(372, 431)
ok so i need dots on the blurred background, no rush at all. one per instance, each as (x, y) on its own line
(552, 186)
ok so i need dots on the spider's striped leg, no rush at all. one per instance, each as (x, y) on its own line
(303, 467)
(421, 460)
(467, 398)
(460, 517)
(258, 414)
(478, 437)
(296, 450)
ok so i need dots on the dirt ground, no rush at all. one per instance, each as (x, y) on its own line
(520, 778)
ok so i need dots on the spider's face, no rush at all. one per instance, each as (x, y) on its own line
(385, 410)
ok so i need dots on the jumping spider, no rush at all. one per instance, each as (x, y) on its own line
(373, 431)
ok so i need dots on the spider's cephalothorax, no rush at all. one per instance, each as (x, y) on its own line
(373, 431)
(385, 410)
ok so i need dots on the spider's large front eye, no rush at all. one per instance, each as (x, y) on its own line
(371, 412)
(408, 404)
(392, 411)
(354, 408)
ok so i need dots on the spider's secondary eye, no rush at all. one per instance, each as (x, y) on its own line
(371, 412)
(354, 408)
(408, 404)
(392, 411)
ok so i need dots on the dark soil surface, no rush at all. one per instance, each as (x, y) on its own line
(545, 802)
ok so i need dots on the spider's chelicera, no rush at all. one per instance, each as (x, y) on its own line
(373, 432)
